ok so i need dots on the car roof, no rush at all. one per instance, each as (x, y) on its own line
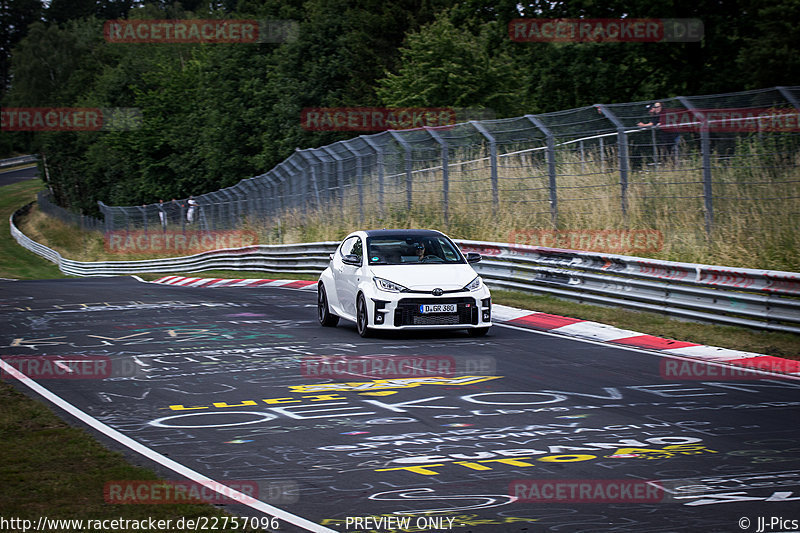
(403, 232)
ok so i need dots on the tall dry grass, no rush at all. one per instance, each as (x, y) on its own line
(756, 205)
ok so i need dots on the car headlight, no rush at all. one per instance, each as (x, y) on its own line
(473, 285)
(389, 286)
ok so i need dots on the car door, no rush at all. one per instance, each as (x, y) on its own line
(349, 276)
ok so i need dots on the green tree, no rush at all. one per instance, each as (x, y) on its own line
(15, 18)
(443, 65)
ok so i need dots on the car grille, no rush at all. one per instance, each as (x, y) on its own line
(407, 312)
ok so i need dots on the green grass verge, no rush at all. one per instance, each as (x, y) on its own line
(15, 261)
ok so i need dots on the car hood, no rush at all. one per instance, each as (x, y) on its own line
(427, 277)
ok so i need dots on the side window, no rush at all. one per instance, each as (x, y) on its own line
(358, 249)
(353, 246)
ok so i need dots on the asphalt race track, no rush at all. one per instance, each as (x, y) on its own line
(516, 431)
(22, 174)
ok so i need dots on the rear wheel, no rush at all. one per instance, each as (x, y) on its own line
(362, 317)
(326, 318)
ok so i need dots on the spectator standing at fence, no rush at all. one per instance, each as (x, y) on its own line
(162, 215)
(666, 141)
(192, 208)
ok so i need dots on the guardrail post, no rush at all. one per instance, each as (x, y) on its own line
(409, 178)
(622, 142)
(551, 167)
(705, 151)
(492, 161)
(379, 155)
(445, 174)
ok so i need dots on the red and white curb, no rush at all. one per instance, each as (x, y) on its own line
(596, 331)
(220, 282)
(562, 325)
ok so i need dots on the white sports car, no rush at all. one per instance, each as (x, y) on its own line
(403, 279)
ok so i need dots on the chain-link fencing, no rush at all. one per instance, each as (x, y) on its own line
(84, 222)
(703, 161)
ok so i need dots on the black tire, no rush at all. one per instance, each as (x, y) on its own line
(326, 318)
(477, 332)
(362, 316)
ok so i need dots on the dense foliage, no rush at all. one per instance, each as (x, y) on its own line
(213, 114)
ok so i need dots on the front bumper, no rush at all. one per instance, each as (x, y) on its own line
(473, 310)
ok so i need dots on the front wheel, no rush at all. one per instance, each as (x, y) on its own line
(326, 318)
(362, 316)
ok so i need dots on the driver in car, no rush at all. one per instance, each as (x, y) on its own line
(421, 252)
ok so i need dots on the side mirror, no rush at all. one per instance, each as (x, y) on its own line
(473, 257)
(351, 259)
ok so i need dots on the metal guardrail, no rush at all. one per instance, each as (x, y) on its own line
(764, 299)
(13, 161)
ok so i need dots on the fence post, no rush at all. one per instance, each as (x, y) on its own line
(313, 164)
(272, 190)
(107, 221)
(359, 180)
(339, 174)
(789, 97)
(379, 155)
(551, 167)
(231, 218)
(622, 142)
(409, 178)
(251, 196)
(602, 155)
(492, 161)
(289, 184)
(445, 173)
(143, 210)
(705, 152)
(302, 185)
(655, 147)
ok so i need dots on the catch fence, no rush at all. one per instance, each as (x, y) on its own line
(711, 159)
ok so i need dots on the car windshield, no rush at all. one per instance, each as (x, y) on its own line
(412, 250)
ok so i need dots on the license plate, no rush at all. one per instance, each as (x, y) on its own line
(437, 308)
